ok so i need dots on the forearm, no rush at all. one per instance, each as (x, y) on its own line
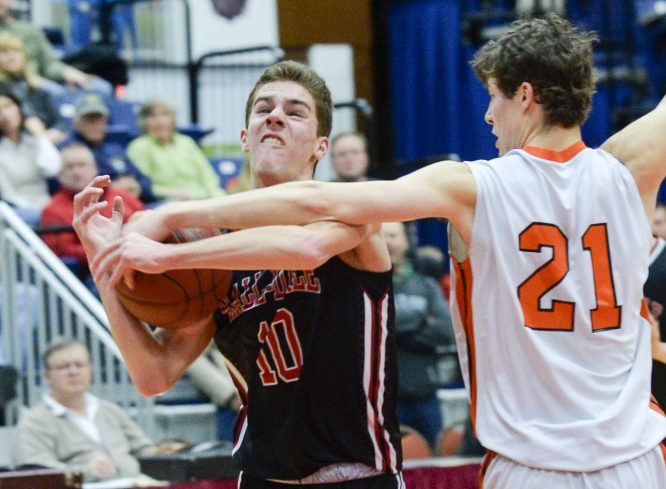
(659, 352)
(268, 247)
(155, 360)
(279, 204)
(300, 203)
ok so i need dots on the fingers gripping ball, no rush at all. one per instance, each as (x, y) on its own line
(176, 298)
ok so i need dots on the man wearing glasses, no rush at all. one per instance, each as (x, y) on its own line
(71, 429)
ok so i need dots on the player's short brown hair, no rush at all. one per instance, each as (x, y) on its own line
(553, 56)
(308, 79)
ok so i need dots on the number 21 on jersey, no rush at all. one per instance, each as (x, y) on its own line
(560, 316)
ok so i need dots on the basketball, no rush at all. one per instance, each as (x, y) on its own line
(176, 298)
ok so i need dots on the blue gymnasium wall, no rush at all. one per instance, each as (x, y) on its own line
(437, 103)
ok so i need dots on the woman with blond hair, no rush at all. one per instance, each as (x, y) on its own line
(37, 102)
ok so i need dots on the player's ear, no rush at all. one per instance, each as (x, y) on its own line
(243, 137)
(526, 93)
(321, 147)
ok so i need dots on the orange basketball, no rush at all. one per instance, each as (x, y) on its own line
(176, 298)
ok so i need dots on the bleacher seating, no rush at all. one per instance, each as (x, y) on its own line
(228, 169)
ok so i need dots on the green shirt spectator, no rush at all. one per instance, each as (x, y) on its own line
(175, 164)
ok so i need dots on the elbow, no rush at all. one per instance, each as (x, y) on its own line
(152, 385)
(313, 199)
(313, 250)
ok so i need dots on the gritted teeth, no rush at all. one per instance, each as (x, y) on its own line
(272, 140)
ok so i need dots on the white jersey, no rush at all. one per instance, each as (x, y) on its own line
(547, 310)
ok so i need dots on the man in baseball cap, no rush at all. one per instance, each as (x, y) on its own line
(90, 127)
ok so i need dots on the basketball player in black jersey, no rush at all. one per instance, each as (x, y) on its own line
(307, 327)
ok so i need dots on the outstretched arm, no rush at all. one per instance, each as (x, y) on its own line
(641, 147)
(267, 247)
(444, 189)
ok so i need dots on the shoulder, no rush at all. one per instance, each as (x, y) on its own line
(139, 143)
(39, 415)
(111, 408)
(180, 138)
(56, 202)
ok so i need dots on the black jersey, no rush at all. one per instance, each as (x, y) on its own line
(313, 356)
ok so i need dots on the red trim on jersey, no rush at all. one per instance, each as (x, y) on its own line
(378, 325)
(464, 282)
(487, 458)
(654, 405)
(238, 426)
(374, 378)
(556, 156)
(645, 311)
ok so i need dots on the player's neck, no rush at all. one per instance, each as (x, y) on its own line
(556, 138)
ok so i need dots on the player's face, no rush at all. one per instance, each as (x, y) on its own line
(504, 114)
(281, 137)
(69, 372)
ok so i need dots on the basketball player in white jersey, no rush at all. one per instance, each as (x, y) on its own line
(549, 245)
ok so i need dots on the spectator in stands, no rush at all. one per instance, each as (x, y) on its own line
(91, 122)
(42, 60)
(27, 159)
(423, 326)
(430, 261)
(659, 220)
(349, 157)
(177, 167)
(36, 101)
(209, 373)
(78, 169)
(73, 430)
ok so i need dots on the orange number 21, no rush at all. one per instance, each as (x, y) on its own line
(560, 316)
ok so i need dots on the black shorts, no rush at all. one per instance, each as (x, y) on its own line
(385, 481)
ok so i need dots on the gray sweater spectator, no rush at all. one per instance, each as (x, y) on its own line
(71, 429)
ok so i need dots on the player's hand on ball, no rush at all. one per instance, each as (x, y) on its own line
(130, 252)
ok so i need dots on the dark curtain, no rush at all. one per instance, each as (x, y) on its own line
(437, 105)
